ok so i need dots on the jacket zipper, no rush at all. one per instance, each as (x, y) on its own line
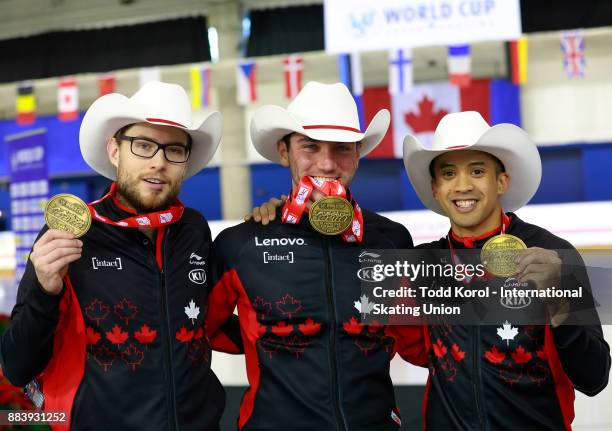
(476, 379)
(333, 360)
(166, 332)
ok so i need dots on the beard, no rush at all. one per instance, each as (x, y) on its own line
(128, 191)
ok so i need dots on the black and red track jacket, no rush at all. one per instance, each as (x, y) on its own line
(311, 364)
(481, 382)
(123, 346)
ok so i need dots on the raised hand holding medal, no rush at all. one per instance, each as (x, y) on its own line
(68, 217)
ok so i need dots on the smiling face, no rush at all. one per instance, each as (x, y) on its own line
(322, 159)
(147, 185)
(467, 184)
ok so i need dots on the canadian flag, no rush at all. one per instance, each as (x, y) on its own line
(419, 111)
(293, 66)
(67, 99)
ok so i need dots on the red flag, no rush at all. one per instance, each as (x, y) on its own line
(294, 68)
(106, 84)
(67, 99)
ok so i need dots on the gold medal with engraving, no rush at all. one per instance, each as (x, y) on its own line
(331, 215)
(69, 213)
(498, 254)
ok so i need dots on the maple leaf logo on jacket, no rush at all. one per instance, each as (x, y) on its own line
(96, 311)
(262, 307)
(288, 305)
(192, 312)
(309, 327)
(494, 356)
(296, 345)
(104, 357)
(91, 336)
(117, 336)
(184, 335)
(457, 353)
(364, 306)
(507, 332)
(520, 356)
(125, 310)
(353, 327)
(439, 349)
(281, 329)
(132, 356)
(145, 335)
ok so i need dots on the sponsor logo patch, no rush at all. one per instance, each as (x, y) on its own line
(274, 257)
(102, 264)
(197, 276)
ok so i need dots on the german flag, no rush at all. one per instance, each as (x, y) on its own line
(517, 60)
(26, 104)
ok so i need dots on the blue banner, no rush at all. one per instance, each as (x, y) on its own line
(29, 189)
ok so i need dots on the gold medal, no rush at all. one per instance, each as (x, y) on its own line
(498, 254)
(331, 215)
(69, 213)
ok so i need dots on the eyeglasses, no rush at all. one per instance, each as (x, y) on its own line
(142, 147)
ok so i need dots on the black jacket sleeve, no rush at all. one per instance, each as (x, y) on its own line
(26, 347)
(582, 349)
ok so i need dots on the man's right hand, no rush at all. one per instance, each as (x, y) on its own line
(51, 256)
(266, 213)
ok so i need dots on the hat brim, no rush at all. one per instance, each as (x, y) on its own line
(270, 123)
(113, 111)
(509, 143)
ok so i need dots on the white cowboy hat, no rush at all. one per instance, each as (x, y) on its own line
(156, 103)
(469, 131)
(324, 112)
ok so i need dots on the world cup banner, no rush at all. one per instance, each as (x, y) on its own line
(365, 25)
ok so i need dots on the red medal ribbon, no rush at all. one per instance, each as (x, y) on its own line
(469, 243)
(152, 220)
(295, 206)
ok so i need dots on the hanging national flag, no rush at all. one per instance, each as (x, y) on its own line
(106, 84)
(518, 60)
(459, 65)
(572, 46)
(148, 74)
(67, 99)
(420, 110)
(200, 86)
(293, 66)
(400, 71)
(349, 71)
(246, 85)
(25, 104)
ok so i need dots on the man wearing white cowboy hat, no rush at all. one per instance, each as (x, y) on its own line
(110, 325)
(501, 377)
(311, 363)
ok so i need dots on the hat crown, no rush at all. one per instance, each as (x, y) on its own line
(459, 129)
(325, 104)
(168, 102)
